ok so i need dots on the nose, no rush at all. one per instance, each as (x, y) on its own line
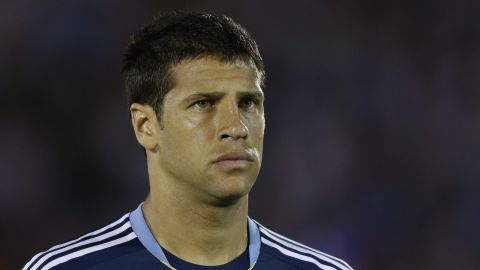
(230, 123)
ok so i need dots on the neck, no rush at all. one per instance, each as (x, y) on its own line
(199, 233)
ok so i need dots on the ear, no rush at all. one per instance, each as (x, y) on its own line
(144, 122)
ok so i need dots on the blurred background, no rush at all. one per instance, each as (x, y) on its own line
(372, 146)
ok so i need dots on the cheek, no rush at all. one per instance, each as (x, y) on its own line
(191, 132)
(256, 126)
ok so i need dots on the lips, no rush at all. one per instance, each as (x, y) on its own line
(234, 159)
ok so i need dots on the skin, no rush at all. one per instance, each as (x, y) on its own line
(197, 207)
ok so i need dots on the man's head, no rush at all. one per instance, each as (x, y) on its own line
(194, 84)
(174, 37)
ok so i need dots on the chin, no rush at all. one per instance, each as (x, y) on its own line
(230, 189)
(225, 201)
(232, 195)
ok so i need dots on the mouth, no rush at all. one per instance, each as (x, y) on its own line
(237, 159)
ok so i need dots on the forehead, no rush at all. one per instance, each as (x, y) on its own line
(212, 72)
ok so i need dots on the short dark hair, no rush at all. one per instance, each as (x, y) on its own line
(176, 36)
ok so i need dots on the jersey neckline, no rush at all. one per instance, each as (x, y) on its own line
(141, 229)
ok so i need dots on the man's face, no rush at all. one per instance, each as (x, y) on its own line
(213, 122)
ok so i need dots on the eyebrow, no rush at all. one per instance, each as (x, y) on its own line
(217, 95)
(205, 95)
(255, 94)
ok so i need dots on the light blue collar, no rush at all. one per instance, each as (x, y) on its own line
(146, 237)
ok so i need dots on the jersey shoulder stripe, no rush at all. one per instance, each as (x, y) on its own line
(91, 249)
(297, 255)
(302, 252)
(114, 230)
(121, 221)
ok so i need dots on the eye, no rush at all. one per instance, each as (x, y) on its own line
(248, 103)
(203, 104)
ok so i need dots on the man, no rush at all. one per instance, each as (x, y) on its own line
(194, 86)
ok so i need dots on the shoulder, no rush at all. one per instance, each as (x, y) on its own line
(85, 247)
(295, 254)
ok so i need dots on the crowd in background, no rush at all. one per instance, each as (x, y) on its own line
(372, 125)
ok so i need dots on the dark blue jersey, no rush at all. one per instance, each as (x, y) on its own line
(128, 243)
(242, 262)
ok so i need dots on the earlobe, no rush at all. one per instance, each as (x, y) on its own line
(143, 122)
